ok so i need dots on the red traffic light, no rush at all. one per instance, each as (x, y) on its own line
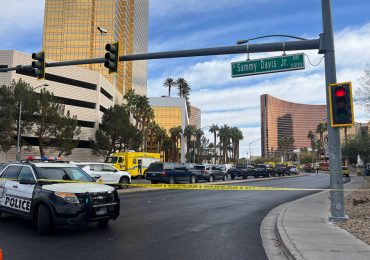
(340, 92)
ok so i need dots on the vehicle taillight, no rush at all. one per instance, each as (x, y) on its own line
(163, 173)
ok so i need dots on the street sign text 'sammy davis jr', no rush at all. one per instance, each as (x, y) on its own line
(268, 65)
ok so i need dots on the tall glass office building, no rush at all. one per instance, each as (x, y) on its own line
(71, 32)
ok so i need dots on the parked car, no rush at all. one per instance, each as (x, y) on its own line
(107, 173)
(308, 168)
(262, 170)
(211, 172)
(241, 170)
(171, 173)
(345, 171)
(293, 170)
(281, 170)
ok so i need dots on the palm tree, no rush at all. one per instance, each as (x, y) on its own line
(183, 87)
(224, 134)
(321, 129)
(236, 135)
(131, 99)
(286, 145)
(311, 136)
(161, 135)
(152, 128)
(147, 117)
(175, 135)
(198, 136)
(184, 91)
(166, 147)
(169, 83)
(188, 133)
(214, 129)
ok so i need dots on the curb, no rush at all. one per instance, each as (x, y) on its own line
(289, 249)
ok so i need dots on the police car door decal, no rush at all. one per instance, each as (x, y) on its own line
(16, 196)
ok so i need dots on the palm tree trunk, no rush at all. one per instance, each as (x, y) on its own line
(151, 139)
(214, 135)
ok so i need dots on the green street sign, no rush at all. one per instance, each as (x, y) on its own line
(268, 65)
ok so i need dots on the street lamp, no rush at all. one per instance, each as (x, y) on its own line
(103, 32)
(250, 153)
(18, 152)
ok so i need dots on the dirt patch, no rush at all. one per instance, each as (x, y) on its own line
(358, 210)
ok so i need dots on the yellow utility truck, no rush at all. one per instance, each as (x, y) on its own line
(133, 162)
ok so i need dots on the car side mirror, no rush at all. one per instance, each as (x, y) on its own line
(96, 177)
(27, 181)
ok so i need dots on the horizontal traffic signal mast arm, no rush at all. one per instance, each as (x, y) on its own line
(313, 44)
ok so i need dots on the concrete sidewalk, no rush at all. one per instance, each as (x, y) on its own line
(306, 233)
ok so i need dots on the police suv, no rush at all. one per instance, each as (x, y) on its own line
(55, 195)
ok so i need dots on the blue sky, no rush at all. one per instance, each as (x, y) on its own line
(175, 25)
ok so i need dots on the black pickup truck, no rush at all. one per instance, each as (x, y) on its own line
(241, 170)
(264, 170)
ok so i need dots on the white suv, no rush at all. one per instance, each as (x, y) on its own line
(107, 173)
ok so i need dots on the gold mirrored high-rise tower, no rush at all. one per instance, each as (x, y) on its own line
(71, 32)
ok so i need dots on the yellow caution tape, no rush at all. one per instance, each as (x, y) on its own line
(213, 187)
(187, 186)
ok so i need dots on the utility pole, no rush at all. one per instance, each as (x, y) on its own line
(335, 157)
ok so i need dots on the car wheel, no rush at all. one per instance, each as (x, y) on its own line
(154, 182)
(225, 178)
(44, 220)
(244, 177)
(103, 223)
(211, 178)
(123, 183)
(233, 177)
(193, 179)
(256, 176)
(172, 180)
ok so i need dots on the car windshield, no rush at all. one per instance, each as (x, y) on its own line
(111, 159)
(63, 174)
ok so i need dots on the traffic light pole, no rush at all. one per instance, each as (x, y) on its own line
(312, 44)
(335, 157)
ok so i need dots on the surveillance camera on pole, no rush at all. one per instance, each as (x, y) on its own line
(102, 30)
(111, 57)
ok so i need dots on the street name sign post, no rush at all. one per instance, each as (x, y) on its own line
(268, 65)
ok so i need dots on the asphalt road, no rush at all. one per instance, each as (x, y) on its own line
(164, 224)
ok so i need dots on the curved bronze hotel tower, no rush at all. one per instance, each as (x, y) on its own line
(281, 118)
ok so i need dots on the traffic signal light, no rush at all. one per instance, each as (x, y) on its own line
(112, 57)
(38, 65)
(341, 104)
